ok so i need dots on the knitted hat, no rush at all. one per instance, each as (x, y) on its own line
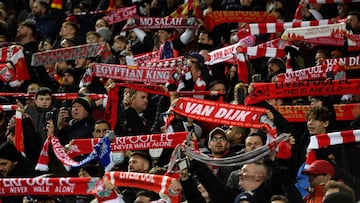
(280, 62)
(197, 56)
(74, 73)
(9, 152)
(86, 102)
(105, 33)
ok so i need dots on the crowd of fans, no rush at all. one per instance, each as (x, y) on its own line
(35, 26)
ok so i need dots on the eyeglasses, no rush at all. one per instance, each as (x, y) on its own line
(216, 139)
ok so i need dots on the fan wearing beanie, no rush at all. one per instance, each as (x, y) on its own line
(275, 66)
(13, 165)
(81, 124)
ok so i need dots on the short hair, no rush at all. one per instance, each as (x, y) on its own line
(93, 33)
(43, 4)
(74, 25)
(280, 11)
(209, 34)
(279, 197)
(157, 170)
(343, 188)
(320, 113)
(324, 51)
(355, 13)
(148, 193)
(266, 171)
(215, 82)
(43, 91)
(259, 133)
(120, 38)
(103, 121)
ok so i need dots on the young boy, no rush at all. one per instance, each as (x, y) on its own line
(43, 105)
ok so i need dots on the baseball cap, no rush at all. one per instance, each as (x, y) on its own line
(319, 167)
(217, 130)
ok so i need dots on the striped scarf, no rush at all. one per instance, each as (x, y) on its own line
(329, 139)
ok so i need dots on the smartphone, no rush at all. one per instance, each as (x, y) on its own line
(50, 116)
(183, 164)
(256, 78)
(241, 95)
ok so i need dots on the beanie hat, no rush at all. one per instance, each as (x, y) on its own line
(197, 56)
(278, 61)
(74, 73)
(86, 102)
(8, 151)
(105, 33)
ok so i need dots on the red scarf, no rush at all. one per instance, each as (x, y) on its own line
(215, 112)
(264, 91)
(344, 112)
(212, 19)
(138, 142)
(157, 183)
(19, 134)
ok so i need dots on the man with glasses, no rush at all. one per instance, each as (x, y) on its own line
(220, 147)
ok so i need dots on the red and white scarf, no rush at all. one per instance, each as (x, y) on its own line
(120, 14)
(70, 53)
(11, 107)
(329, 139)
(157, 183)
(300, 33)
(311, 73)
(262, 28)
(132, 73)
(216, 112)
(136, 142)
(264, 91)
(330, 1)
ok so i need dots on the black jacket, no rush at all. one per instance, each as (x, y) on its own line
(77, 130)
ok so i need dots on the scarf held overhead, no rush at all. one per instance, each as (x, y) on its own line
(296, 113)
(69, 53)
(263, 28)
(312, 73)
(46, 186)
(212, 19)
(134, 74)
(121, 14)
(138, 142)
(157, 183)
(58, 186)
(161, 23)
(101, 151)
(216, 112)
(329, 139)
(15, 56)
(264, 91)
(292, 34)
